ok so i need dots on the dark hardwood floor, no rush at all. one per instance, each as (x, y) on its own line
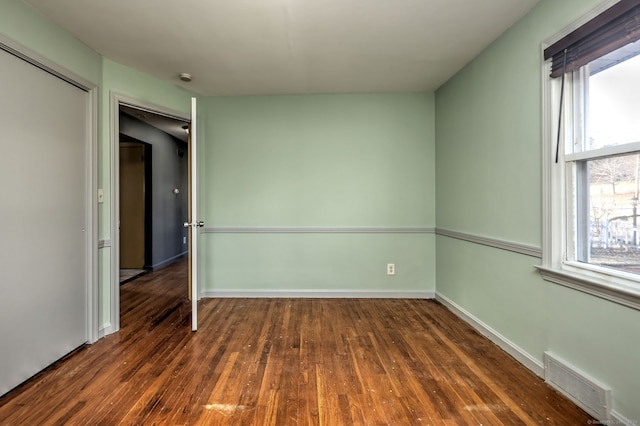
(285, 362)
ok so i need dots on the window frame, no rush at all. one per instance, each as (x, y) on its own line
(558, 235)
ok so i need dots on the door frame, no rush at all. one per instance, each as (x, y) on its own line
(116, 100)
(92, 323)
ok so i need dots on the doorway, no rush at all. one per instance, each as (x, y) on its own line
(152, 199)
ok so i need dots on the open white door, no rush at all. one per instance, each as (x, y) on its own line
(194, 224)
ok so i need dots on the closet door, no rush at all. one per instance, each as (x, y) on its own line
(44, 253)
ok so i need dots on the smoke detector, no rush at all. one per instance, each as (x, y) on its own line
(185, 77)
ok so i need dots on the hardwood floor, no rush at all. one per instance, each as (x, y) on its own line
(285, 362)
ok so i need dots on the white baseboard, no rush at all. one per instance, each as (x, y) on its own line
(319, 294)
(619, 419)
(104, 330)
(508, 346)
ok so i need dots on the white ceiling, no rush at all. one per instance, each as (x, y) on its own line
(259, 47)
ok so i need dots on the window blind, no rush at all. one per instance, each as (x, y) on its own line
(616, 27)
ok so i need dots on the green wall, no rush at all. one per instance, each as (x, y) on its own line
(320, 161)
(488, 156)
(26, 26)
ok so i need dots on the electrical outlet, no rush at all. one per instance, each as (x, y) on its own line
(184, 240)
(391, 269)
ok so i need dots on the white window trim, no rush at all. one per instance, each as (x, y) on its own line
(611, 285)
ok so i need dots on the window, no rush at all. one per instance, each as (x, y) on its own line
(592, 155)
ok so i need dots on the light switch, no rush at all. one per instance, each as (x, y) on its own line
(100, 195)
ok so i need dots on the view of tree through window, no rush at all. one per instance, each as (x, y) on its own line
(613, 111)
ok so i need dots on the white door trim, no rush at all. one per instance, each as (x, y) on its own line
(117, 99)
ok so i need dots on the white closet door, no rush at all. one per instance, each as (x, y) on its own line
(43, 219)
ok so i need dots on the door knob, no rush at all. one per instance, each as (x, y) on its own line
(198, 224)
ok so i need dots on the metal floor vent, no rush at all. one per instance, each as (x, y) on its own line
(591, 396)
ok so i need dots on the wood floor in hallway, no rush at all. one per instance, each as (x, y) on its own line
(285, 362)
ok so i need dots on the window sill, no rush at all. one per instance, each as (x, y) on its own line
(610, 288)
